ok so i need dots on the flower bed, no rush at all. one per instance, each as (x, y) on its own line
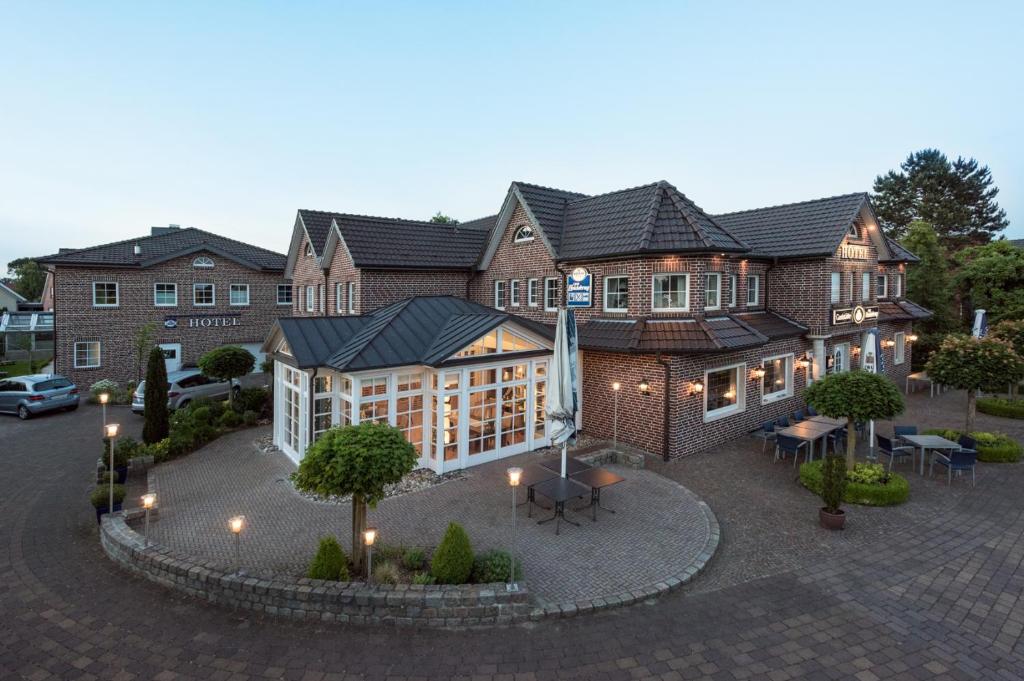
(992, 447)
(867, 484)
(998, 406)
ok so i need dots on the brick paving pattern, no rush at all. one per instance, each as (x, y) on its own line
(933, 596)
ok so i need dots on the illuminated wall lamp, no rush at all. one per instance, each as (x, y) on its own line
(644, 386)
(912, 338)
(758, 373)
(805, 363)
(889, 343)
(697, 387)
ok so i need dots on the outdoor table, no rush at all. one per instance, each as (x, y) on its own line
(597, 479)
(924, 442)
(572, 465)
(529, 479)
(810, 432)
(920, 377)
(827, 421)
(560, 490)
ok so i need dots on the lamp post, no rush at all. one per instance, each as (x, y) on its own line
(110, 430)
(148, 499)
(369, 536)
(104, 398)
(514, 474)
(236, 524)
(616, 386)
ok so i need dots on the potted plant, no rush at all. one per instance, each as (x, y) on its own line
(100, 499)
(833, 484)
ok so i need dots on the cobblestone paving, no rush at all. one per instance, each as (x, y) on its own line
(935, 596)
(654, 516)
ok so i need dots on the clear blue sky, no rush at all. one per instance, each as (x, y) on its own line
(230, 116)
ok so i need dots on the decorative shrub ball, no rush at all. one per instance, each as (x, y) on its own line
(453, 559)
(493, 566)
(890, 490)
(330, 561)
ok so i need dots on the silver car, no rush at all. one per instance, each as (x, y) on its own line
(27, 396)
(184, 386)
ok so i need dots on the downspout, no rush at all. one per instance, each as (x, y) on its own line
(310, 398)
(668, 392)
(561, 283)
(327, 283)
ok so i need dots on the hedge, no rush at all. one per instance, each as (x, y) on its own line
(894, 492)
(998, 406)
(992, 447)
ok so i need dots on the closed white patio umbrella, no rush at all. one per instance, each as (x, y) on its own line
(562, 402)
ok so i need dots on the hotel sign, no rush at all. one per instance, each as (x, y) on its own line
(579, 287)
(202, 321)
(855, 315)
(854, 252)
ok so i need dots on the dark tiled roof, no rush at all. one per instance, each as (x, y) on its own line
(166, 245)
(318, 226)
(810, 228)
(421, 330)
(548, 207)
(899, 253)
(901, 310)
(386, 243)
(771, 324)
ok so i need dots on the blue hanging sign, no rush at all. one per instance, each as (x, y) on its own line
(579, 287)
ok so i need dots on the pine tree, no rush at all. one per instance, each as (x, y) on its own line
(156, 424)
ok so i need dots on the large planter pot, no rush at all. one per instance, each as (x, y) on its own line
(122, 473)
(832, 521)
(103, 509)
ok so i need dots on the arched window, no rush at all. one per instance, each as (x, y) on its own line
(524, 233)
(309, 250)
(202, 262)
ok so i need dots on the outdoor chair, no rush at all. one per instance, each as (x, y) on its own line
(788, 445)
(962, 460)
(968, 444)
(837, 439)
(811, 411)
(767, 432)
(798, 416)
(782, 422)
(900, 431)
(886, 446)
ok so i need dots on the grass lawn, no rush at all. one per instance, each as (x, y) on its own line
(20, 367)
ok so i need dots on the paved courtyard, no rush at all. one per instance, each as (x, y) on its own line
(930, 595)
(658, 528)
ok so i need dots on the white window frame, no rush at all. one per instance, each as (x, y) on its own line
(835, 293)
(310, 299)
(284, 287)
(117, 294)
(513, 293)
(885, 286)
(853, 231)
(849, 295)
(608, 308)
(99, 355)
(321, 290)
(741, 393)
(213, 294)
(309, 250)
(531, 292)
(174, 288)
(899, 354)
(338, 298)
(517, 238)
(756, 288)
(788, 390)
(203, 262)
(897, 285)
(499, 294)
(865, 286)
(351, 297)
(718, 288)
(733, 279)
(552, 284)
(686, 278)
(232, 288)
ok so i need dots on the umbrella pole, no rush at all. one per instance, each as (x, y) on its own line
(563, 460)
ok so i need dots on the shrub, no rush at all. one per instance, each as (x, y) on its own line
(493, 566)
(249, 418)
(997, 406)
(329, 562)
(100, 496)
(252, 399)
(453, 559)
(892, 490)
(414, 559)
(199, 414)
(385, 573)
(107, 475)
(868, 474)
(423, 578)
(155, 414)
(833, 483)
(104, 385)
(160, 451)
(125, 449)
(230, 419)
(992, 447)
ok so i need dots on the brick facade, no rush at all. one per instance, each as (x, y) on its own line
(76, 319)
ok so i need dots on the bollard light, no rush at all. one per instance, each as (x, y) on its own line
(111, 430)
(616, 386)
(148, 500)
(236, 524)
(515, 473)
(369, 536)
(104, 398)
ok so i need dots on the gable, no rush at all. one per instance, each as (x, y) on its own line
(501, 340)
(515, 214)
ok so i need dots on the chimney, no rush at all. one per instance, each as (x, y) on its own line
(158, 231)
(138, 249)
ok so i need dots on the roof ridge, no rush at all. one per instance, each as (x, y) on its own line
(550, 189)
(795, 203)
(652, 217)
(161, 236)
(620, 191)
(748, 327)
(676, 196)
(382, 218)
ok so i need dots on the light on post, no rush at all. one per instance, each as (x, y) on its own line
(236, 524)
(515, 473)
(104, 398)
(369, 536)
(110, 430)
(616, 387)
(148, 500)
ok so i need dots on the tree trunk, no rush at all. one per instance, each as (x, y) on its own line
(972, 396)
(851, 444)
(358, 525)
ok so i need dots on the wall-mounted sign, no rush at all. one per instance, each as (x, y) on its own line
(855, 315)
(579, 288)
(854, 252)
(203, 321)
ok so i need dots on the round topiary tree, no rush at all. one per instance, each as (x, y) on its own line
(227, 363)
(452, 562)
(156, 425)
(1011, 331)
(855, 396)
(973, 364)
(360, 461)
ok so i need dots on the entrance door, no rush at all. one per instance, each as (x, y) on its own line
(839, 358)
(172, 356)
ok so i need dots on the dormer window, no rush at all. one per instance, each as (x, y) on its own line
(523, 234)
(309, 250)
(203, 263)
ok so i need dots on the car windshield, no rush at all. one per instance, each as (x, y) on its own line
(52, 384)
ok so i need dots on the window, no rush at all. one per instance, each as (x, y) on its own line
(777, 381)
(499, 295)
(513, 343)
(203, 263)
(165, 295)
(374, 403)
(838, 359)
(899, 348)
(203, 295)
(712, 291)
(732, 290)
(550, 294)
(671, 292)
(239, 294)
(531, 292)
(897, 285)
(849, 287)
(104, 294)
(87, 354)
(310, 303)
(409, 409)
(284, 294)
(514, 292)
(881, 286)
(323, 404)
(753, 289)
(309, 250)
(853, 232)
(322, 290)
(523, 234)
(865, 286)
(339, 306)
(616, 293)
(351, 297)
(722, 392)
(835, 288)
(485, 345)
